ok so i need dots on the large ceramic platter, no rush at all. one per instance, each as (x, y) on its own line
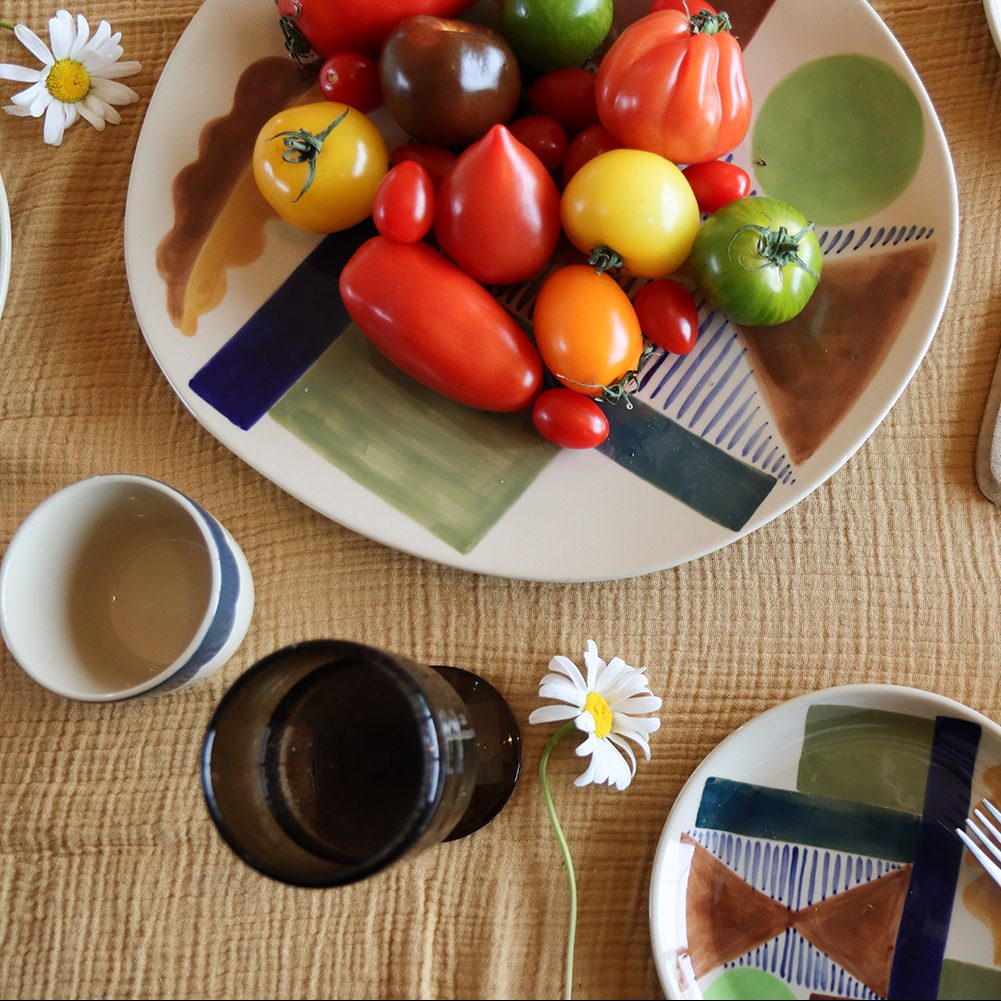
(243, 315)
(813, 854)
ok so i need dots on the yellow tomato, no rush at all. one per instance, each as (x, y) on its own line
(637, 205)
(319, 165)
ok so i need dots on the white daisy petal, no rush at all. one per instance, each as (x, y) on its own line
(25, 98)
(101, 35)
(563, 691)
(33, 44)
(20, 74)
(17, 112)
(115, 71)
(588, 746)
(108, 113)
(544, 714)
(55, 123)
(585, 723)
(626, 749)
(82, 34)
(566, 666)
(61, 34)
(586, 777)
(640, 704)
(113, 92)
(593, 663)
(88, 114)
(42, 101)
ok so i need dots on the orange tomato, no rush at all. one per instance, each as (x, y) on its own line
(586, 330)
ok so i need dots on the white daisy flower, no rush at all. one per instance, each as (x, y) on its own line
(603, 706)
(78, 79)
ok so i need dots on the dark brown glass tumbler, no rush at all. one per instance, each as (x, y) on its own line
(328, 761)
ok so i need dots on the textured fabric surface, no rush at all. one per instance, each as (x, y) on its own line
(113, 882)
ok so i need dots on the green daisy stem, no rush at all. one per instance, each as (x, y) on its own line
(6, 26)
(564, 848)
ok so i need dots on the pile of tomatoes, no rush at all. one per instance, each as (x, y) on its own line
(517, 144)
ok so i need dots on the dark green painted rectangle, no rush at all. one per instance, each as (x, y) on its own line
(689, 468)
(782, 815)
(966, 982)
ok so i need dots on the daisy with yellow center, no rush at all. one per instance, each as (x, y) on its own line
(79, 76)
(607, 705)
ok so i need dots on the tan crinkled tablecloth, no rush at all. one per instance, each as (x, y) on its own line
(113, 882)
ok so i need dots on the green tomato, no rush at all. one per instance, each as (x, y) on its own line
(553, 34)
(756, 260)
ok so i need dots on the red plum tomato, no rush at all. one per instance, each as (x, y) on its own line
(566, 95)
(592, 142)
(716, 183)
(667, 315)
(353, 79)
(569, 420)
(404, 203)
(544, 136)
(436, 160)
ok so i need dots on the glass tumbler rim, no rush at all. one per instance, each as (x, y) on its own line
(419, 700)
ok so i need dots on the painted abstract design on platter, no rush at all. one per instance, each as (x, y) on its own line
(844, 887)
(718, 430)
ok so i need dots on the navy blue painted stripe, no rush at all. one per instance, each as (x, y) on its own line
(276, 346)
(924, 925)
(690, 469)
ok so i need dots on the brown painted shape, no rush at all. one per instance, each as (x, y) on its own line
(746, 17)
(858, 928)
(726, 917)
(813, 369)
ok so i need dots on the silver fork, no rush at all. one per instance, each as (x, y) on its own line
(988, 834)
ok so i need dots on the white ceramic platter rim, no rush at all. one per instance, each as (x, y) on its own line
(896, 698)
(5, 246)
(583, 518)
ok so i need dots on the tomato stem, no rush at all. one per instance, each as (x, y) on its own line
(623, 389)
(775, 246)
(704, 23)
(604, 259)
(302, 146)
(296, 43)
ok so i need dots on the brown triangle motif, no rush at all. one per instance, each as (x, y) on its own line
(725, 916)
(858, 928)
(814, 368)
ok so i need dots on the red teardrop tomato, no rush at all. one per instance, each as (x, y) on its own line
(498, 212)
(675, 85)
(569, 419)
(566, 95)
(717, 183)
(329, 26)
(668, 315)
(351, 78)
(544, 136)
(439, 326)
(592, 142)
(436, 160)
(586, 330)
(404, 203)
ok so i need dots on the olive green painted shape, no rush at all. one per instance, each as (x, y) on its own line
(866, 756)
(747, 984)
(967, 982)
(839, 138)
(453, 469)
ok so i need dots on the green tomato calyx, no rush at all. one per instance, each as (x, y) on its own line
(302, 146)
(704, 23)
(295, 41)
(776, 247)
(623, 389)
(604, 259)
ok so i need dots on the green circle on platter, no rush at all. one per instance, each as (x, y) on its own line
(839, 138)
(747, 984)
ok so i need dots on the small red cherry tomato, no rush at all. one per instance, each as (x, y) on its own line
(569, 419)
(436, 160)
(404, 203)
(667, 315)
(544, 136)
(716, 183)
(592, 142)
(566, 95)
(692, 7)
(352, 79)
